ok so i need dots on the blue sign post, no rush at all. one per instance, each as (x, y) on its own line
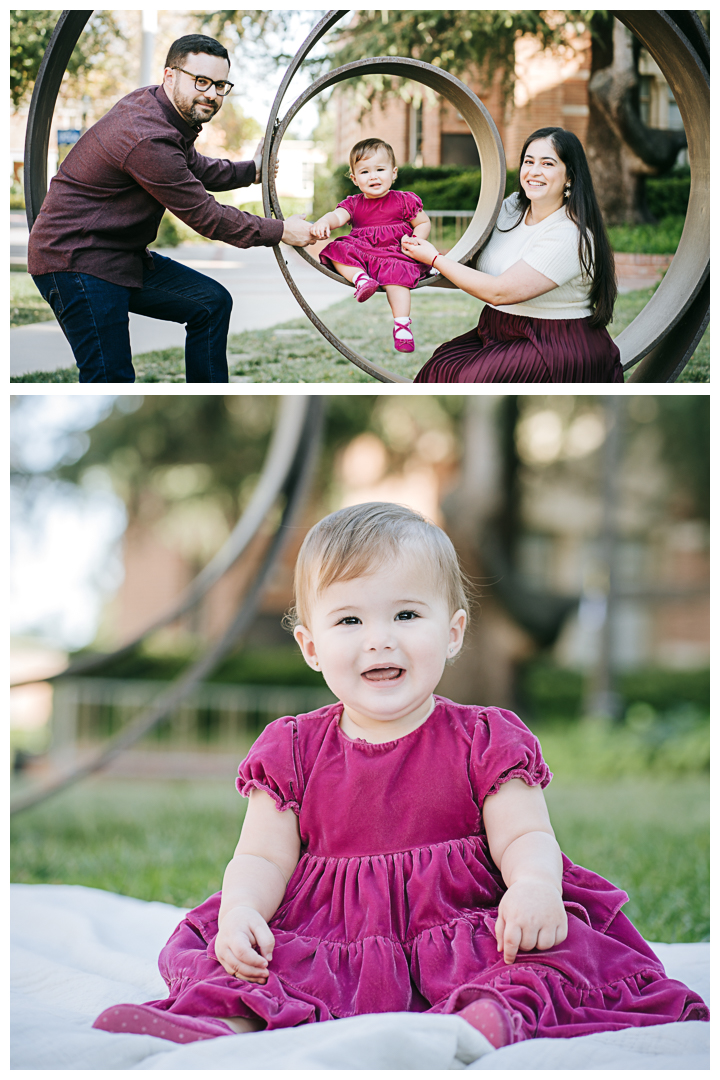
(67, 137)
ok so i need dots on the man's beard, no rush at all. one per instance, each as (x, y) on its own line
(194, 113)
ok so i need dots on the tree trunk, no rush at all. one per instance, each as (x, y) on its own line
(622, 151)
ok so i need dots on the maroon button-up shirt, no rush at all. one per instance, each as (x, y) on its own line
(105, 204)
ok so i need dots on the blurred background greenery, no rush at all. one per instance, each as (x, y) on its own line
(581, 520)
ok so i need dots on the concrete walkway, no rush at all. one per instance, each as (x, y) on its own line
(261, 298)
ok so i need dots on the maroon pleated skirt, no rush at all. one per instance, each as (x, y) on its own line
(515, 348)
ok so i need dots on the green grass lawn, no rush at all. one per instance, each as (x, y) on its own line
(650, 837)
(26, 303)
(295, 352)
(171, 840)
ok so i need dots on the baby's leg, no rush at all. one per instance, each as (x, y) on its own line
(365, 286)
(348, 272)
(240, 1024)
(399, 301)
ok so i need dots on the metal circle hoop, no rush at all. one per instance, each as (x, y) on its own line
(492, 162)
(660, 340)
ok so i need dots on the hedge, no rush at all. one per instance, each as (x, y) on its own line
(453, 187)
(281, 666)
(550, 693)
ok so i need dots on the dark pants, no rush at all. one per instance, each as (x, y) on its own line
(94, 317)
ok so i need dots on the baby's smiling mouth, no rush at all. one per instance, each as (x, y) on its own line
(383, 674)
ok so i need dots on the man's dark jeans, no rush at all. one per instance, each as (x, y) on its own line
(94, 317)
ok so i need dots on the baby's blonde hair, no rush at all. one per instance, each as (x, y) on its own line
(367, 148)
(358, 539)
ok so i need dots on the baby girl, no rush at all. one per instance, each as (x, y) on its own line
(371, 256)
(397, 854)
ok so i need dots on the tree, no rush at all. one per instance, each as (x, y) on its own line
(622, 150)
(30, 32)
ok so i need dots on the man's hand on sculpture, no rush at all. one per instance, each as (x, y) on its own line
(297, 231)
(257, 158)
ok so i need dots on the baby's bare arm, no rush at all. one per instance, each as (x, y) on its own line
(522, 843)
(421, 225)
(254, 886)
(322, 228)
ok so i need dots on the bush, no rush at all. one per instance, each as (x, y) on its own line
(679, 746)
(550, 693)
(282, 666)
(668, 195)
(168, 233)
(441, 187)
(454, 187)
(660, 239)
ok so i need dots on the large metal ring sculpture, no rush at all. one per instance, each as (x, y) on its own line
(288, 470)
(487, 139)
(662, 338)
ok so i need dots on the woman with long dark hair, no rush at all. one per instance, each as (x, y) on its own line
(547, 276)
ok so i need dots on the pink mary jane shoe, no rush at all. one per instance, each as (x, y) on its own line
(144, 1020)
(403, 344)
(365, 288)
(491, 1020)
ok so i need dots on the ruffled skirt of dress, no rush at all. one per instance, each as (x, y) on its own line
(376, 250)
(514, 348)
(387, 934)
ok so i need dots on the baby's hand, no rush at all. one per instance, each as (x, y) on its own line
(244, 945)
(320, 230)
(419, 249)
(531, 915)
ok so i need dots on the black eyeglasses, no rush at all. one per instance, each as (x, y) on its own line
(202, 83)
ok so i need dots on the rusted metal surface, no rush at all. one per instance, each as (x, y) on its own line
(280, 461)
(481, 125)
(289, 478)
(663, 337)
(64, 38)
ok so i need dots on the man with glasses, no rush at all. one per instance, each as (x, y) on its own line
(88, 249)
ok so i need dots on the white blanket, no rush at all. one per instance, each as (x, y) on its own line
(75, 951)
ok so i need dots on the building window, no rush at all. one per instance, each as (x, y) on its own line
(459, 150)
(674, 118)
(308, 172)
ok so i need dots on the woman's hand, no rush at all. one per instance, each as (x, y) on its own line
(420, 250)
(244, 945)
(531, 915)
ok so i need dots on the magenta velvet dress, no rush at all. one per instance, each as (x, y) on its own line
(393, 903)
(378, 226)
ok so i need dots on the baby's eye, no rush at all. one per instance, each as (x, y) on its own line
(349, 620)
(407, 615)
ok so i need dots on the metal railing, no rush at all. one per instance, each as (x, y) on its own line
(214, 715)
(447, 226)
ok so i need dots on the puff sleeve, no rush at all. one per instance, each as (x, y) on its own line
(348, 204)
(273, 765)
(412, 205)
(504, 749)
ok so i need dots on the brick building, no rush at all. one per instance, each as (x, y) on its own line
(551, 88)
